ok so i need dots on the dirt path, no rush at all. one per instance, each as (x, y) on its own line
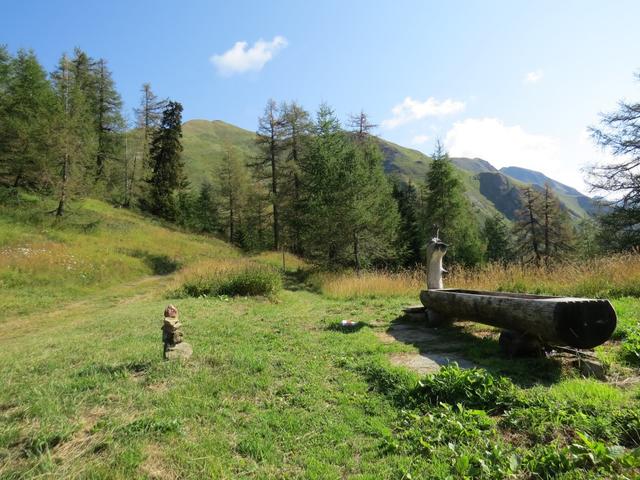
(71, 313)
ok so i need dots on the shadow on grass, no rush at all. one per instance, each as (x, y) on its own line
(114, 370)
(298, 280)
(356, 327)
(159, 264)
(483, 351)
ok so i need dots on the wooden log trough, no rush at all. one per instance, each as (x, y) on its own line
(530, 322)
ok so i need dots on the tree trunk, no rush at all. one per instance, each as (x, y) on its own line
(356, 252)
(63, 190)
(274, 191)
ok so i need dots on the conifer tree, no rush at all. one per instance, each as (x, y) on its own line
(25, 125)
(543, 229)
(447, 210)
(528, 229)
(296, 126)
(558, 234)
(234, 180)
(497, 236)
(207, 208)
(351, 217)
(108, 116)
(75, 136)
(409, 240)
(267, 166)
(148, 118)
(167, 175)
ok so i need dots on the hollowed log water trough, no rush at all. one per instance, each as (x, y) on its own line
(529, 322)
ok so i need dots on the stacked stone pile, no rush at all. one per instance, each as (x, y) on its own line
(172, 336)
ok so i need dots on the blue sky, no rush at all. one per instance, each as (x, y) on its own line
(513, 82)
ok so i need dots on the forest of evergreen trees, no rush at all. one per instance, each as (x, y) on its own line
(317, 188)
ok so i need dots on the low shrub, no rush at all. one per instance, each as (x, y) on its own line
(237, 278)
(472, 388)
(631, 346)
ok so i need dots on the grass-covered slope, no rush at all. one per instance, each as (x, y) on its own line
(46, 261)
(488, 189)
(275, 387)
(206, 143)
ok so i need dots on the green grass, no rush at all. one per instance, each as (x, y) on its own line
(46, 261)
(274, 389)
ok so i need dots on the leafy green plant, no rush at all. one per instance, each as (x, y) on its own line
(631, 346)
(442, 426)
(474, 388)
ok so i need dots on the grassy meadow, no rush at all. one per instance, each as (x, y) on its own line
(276, 388)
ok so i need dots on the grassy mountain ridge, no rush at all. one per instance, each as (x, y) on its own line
(489, 190)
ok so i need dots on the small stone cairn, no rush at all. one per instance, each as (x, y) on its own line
(172, 336)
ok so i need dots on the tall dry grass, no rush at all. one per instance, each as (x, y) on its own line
(213, 277)
(612, 276)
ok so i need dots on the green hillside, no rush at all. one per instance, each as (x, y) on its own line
(46, 261)
(204, 148)
(488, 189)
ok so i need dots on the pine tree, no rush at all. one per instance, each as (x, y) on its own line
(372, 215)
(75, 137)
(322, 235)
(26, 121)
(558, 234)
(108, 117)
(447, 210)
(167, 175)
(296, 127)
(207, 209)
(233, 188)
(619, 134)
(528, 229)
(543, 230)
(409, 240)
(497, 236)
(350, 215)
(269, 141)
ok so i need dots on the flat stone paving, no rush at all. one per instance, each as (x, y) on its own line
(434, 351)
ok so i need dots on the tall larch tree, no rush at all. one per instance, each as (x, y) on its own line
(269, 141)
(528, 229)
(167, 175)
(558, 234)
(148, 118)
(297, 127)
(233, 188)
(75, 136)
(619, 134)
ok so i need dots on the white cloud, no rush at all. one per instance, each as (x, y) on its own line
(533, 77)
(420, 139)
(563, 159)
(241, 58)
(410, 110)
(503, 146)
